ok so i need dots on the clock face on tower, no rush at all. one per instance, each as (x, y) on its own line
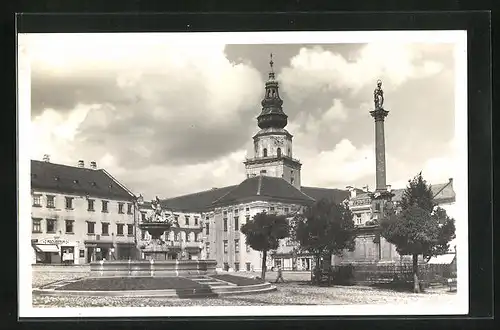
(278, 141)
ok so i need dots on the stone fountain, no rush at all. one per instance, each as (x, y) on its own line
(157, 222)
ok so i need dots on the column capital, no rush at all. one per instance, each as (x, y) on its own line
(379, 114)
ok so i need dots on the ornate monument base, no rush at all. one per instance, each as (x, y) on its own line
(144, 268)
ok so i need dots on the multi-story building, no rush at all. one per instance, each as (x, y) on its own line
(80, 214)
(273, 184)
(370, 247)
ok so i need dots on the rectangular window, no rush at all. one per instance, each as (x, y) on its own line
(236, 224)
(186, 217)
(129, 208)
(90, 228)
(207, 227)
(143, 216)
(104, 206)
(82, 253)
(248, 266)
(69, 203)
(176, 237)
(247, 209)
(236, 266)
(51, 225)
(120, 208)
(271, 209)
(90, 205)
(143, 234)
(208, 250)
(37, 200)
(69, 226)
(51, 201)
(287, 210)
(176, 218)
(130, 230)
(119, 229)
(37, 225)
(225, 212)
(196, 221)
(237, 246)
(105, 228)
(225, 224)
(225, 246)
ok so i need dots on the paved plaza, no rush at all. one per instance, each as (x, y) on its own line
(296, 291)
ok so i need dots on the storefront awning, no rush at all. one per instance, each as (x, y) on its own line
(47, 248)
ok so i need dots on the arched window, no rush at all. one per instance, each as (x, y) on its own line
(265, 152)
(278, 152)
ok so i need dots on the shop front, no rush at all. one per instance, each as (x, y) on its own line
(54, 251)
(125, 251)
(97, 251)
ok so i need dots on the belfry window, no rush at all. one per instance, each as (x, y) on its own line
(278, 152)
(265, 152)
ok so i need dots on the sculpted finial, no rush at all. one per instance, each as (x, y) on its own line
(378, 96)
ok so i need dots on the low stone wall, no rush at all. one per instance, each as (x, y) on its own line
(155, 268)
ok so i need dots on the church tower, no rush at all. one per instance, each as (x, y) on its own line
(273, 144)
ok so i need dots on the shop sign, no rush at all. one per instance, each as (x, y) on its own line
(54, 241)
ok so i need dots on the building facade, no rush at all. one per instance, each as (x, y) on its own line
(80, 214)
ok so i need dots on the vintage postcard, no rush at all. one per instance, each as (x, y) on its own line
(290, 173)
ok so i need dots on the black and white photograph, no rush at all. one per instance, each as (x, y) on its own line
(243, 174)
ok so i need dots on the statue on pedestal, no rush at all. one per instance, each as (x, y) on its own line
(378, 96)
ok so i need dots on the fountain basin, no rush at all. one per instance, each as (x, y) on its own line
(156, 268)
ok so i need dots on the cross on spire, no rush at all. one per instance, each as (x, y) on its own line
(271, 63)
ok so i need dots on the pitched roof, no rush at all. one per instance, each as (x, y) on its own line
(264, 187)
(442, 192)
(331, 194)
(77, 180)
(200, 201)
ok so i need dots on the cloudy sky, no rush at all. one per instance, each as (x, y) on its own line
(169, 118)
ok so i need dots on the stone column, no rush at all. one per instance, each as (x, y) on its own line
(379, 116)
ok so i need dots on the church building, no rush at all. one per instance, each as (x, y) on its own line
(272, 184)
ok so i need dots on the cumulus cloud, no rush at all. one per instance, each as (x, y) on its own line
(174, 118)
(315, 70)
(170, 103)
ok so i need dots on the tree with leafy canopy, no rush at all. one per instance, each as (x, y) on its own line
(325, 229)
(263, 233)
(420, 227)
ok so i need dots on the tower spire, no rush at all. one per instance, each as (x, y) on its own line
(272, 114)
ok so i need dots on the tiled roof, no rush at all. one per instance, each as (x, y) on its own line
(331, 194)
(69, 179)
(200, 201)
(443, 192)
(264, 186)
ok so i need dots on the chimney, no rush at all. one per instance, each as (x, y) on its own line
(93, 165)
(451, 181)
(46, 158)
(81, 163)
(352, 190)
(389, 188)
